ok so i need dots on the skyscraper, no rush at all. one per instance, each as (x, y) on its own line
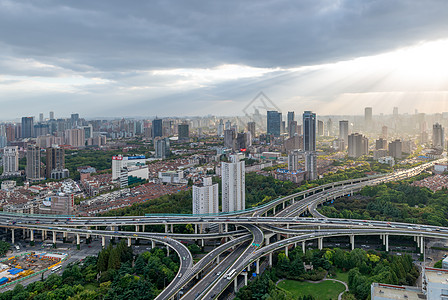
(233, 185)
(162, 147)
(320, 128)
(55, 160)
(274, 120)
(157, 128)
(27, 127)
(41, 117)
(75, 137)
(384, 132)
(229, 138)
(74, 120)
(396, 149)
(51, 115)
(343, 131)
(290, 118)
(368, 117)
(11, 161)
(309, 131)
(311, 165)
(292, 128)
(206, 197)
(183, 131)
(33, 164)
(293, 160)
(220, 129)
(438, 136)
(251, 128)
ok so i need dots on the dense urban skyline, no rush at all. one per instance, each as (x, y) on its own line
(109, 59)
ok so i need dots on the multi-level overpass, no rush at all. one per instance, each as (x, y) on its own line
(283, 216)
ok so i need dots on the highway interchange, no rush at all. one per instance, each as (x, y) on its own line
(249, 234)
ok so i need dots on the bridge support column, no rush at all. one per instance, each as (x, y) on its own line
(266, 240)
(270, 259)
(24, 233)
(167, 251)
(386, 237)
(129, 242)
(303, 247)
(31, 237)
(166, 228)
(103, 241)
(235, 284)
(286, 250)
(44, 235)
(273, 211)
(245, 278)
(320, 242)
(422, 244)
(54, 239)
(195, 228)
(418, 241)
(226, 227)
(172, 228)
(153, 244)
(143, 228)
(201, 228)
(352, 241)
(284, 205)
(258, 267)
(78, 242)
(12, 236)
(137, 228)
(217, 259)
(202, 242)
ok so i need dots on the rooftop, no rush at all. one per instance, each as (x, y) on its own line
(388, 291)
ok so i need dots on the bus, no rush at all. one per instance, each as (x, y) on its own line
(56, 268)
(230, 274)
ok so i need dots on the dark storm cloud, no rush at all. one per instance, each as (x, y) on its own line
(128, 35)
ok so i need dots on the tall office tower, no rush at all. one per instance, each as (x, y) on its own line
(228, 125)
(206, 197)
(395, 149)
(51, 115)
(368, 118)
(33, 164)
(75, 137)
(274, 120)
(10, 132)
(240, 141)
(162, 147)
(229, 138)
(292, 128)
(289, 118)
(329, 131)
(55, 160)
(320, 128)
(183, 131)
(27, 127)
(309, 131)
(380, 144)
(384, 134)
(167, 126)
(283, 127)
(311, 165)
(10, 161)
(41, 117)
(88, 131)
(233, 185)
(157, 128)
(358, 145)
(343, 131)
(74, 120)
(41, 129)
(220, 130)
(395, 112)
(251, 128)
(438, 136)
(293, 160)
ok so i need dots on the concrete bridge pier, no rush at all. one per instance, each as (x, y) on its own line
(352, 241)
(195, 228)
(12, 236)
(153, 244)
(78, 242)
(270, 259)
(258, 267)
(172, 228)
(284, 205)
(217, 259)
(386, 237)
(235, 284)
(129, 242)
(286, 250)
(320, 242)
(422, 244)
(54, 239)
(31, 237)
(136, 228)
(303, 247)
(103, 241)
(245, 278)
(166, 228)
(167, 251)
(24, 233)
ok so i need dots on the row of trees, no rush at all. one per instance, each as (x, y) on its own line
(115, 274)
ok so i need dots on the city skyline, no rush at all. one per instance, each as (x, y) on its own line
(107, 59)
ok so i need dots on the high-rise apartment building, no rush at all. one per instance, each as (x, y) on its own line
(206, 197)
(183, 131)
(438, 136)
(220, 130)
(294, 158)
(74, 120)
(290, 117)
(274, 120)
(358, 145)
(343, 131)
(162, 147)
(292, 128)
(33, 164)
(51, 115)
(384, 133)
(380, 144)
(233, 185)
(75, 137)
(55, 160)
(27, 127)
(311, 165)
(157, 128)
(41, 118)
(320, 128)
(396, 149)
(309, 131)
(11, 161)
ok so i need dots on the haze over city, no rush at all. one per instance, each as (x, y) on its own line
(168, 58)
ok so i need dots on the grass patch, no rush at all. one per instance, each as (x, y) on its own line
(325, 290)
(342, 276)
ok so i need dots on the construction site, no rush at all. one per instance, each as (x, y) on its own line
(17, 268)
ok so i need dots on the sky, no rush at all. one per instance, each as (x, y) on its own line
(108, 58)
